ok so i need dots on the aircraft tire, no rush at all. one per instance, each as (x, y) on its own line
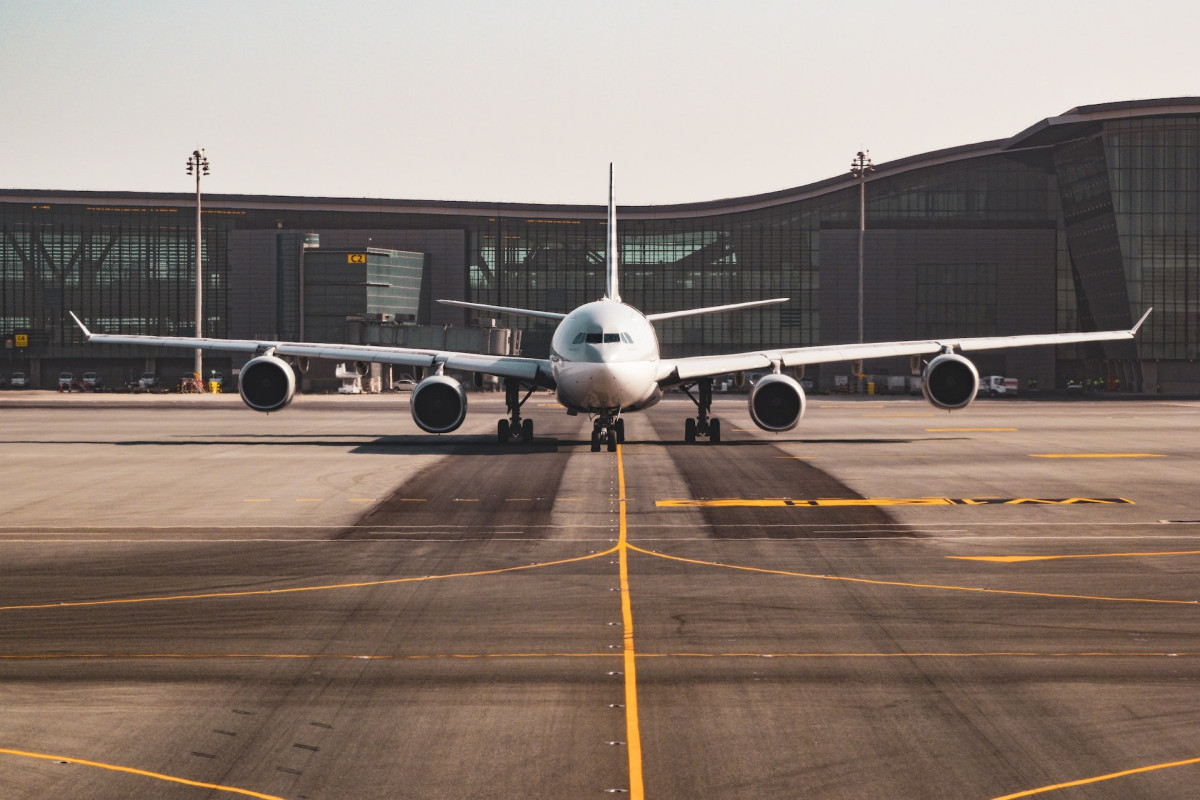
(502, 431)
(527, 431)
(714, 431)
(595, 441)
(689, 430)
(612, 441)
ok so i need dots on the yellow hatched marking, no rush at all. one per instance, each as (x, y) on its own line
(140, 772)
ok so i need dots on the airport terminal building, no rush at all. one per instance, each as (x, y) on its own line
(1079, 222)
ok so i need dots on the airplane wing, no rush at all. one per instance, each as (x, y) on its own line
(680, 370)
(533, 370)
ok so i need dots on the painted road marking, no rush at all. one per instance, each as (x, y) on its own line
(1019, 559)
(836, 502)
(1096, 455)
(633, 734)
(1099, 778)
(143, 773)
(971, 430)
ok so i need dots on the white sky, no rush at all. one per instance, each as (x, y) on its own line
(529, 100)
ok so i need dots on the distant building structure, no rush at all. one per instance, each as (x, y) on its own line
(1080, 221)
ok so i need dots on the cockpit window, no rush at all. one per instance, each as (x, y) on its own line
(596, 337)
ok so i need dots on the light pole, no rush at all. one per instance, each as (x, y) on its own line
(198, 165)
(859, 168)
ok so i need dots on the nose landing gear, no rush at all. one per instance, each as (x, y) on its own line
(607, 430)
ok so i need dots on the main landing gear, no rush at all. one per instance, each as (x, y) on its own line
(607, 430)
(702, 425)
(514, 429)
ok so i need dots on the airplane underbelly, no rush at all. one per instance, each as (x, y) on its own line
(606, 386)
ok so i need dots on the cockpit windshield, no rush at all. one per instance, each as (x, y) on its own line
(598, 337)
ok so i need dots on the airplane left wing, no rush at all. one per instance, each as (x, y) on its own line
(533, 370)
(680, 370)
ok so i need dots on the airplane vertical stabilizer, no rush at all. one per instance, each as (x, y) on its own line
(612, 289)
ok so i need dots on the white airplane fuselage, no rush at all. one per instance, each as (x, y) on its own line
(604, 359)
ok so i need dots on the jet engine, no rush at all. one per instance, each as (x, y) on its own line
(267, 383)
(950, 382)
(439, 404)
(776, 402)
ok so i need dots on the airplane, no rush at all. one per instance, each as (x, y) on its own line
(605, 362)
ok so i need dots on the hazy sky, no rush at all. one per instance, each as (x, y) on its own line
(529, 101)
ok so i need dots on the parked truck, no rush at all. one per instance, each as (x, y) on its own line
(998, 386)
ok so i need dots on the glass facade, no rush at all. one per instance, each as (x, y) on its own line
(1080, 222)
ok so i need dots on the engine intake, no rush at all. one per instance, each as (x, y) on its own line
(439, 404)
(950, 382)
(267, 383)
(776, 403)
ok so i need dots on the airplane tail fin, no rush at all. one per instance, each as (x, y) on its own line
(612, 290)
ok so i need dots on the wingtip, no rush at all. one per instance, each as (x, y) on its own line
(86, 333)
(1145, 316)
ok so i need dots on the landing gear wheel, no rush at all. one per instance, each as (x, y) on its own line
(502, 431)
(689, 430)
(612, 441)
(619, 427)
(596, 441)
(527, 431)
(714, 431)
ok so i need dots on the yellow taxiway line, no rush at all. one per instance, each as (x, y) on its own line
(633, 734)
(139, 772)
(1099, 778)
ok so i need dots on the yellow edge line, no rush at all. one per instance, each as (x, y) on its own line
(296, 589)
(1099, 778)
(633, 734)
(904, 584)
(143, 773)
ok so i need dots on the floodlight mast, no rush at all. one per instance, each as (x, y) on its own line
(198, 165)
(860, 167)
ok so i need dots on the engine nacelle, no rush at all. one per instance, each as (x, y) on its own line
(439, 404)
(776, 402)
(950, 382)
(267, 383)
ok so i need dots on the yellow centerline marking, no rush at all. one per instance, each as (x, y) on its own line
(141, 772)
(1099, 778)
(1019, 559)
(633, 734)
(1096, 455)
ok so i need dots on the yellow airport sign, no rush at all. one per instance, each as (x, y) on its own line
(356, 258)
